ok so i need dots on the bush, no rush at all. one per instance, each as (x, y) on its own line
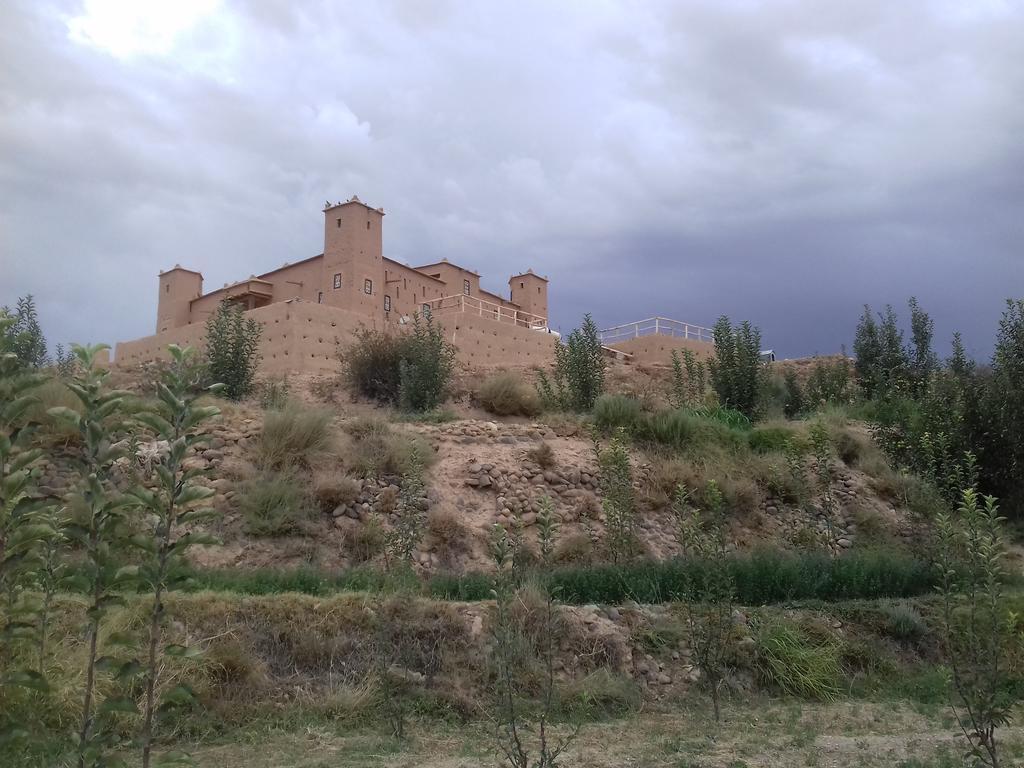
(542, 455)
(578, 378)
(506, 394)
(613, 412)
(737, 373)
(449, 536)
(274, 504)
(685, 430)
(411, 370)
(365, 542)
(771, 439)
(904, 623)
(798, 663)
(372, 365)
(830, 382)
(378, 450)
(274, 394)
(426, 366)
(292, 435)
(232, 350)
(335, 491)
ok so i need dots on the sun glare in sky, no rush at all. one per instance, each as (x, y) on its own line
(126, 28)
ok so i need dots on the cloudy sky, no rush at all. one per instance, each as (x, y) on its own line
(783, 161)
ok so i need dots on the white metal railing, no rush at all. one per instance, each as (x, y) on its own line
(489, 309)
(652, 326)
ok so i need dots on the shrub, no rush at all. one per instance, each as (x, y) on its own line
(689, 380)
(274, 503)
(830, 382)
(378, 450)
(619, 500)
(578, 378)
(793, 395)
(274, 394)
(904, 623)
(365, 542)
(737, 372)
(542, 454)
(54, 393)
(335, 491)
(574, 548)
(426, 366)
(372, 365)
(612, 412)
(771, 439)
(506, 394)
(449, 536)
(232, 350)
(411, 370)
(292, 435)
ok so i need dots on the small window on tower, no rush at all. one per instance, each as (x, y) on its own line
(167, 288)
(465, 287)
(368, 287)
(367, 225)
(387, 303)
(337, 280)
(339, 223)
(320, 297)
(522, 285)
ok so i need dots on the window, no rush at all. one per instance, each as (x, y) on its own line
(387, 303)
(465, 287)
(339, 223)
(367, 225)
(167, 288)
(522, 285)
(426, 310)
(337, 280)
(368, 287)
(320, 297)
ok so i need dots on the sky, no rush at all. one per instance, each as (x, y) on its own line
(781, 162)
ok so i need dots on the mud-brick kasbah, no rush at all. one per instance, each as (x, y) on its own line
(311, 308)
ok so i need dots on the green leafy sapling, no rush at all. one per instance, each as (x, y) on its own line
(547, 530)
(703, 536)
(17, 532)
(100, 534)
(172, 505)
(978, 630)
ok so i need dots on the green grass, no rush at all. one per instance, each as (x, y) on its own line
(761, 578)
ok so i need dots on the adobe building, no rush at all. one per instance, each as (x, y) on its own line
(310, 307)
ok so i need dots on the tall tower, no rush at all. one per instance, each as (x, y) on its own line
(178, 286)
(530, 292)
(353, 266)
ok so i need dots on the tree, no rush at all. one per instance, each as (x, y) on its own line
(922, 359)
(99, 534)
(708, 612)
(997, 429)
(24, 334)
(976, 628)
(232, 350)
(18, 530)
(425, 366)
(176, 423)
(867, 349)
(737, 372)
(578, 378)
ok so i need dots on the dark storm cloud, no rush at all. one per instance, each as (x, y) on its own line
(780, 161)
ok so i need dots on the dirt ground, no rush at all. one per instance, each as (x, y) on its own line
(762, 734)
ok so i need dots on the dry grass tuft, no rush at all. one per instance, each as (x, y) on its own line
(506, 394)
(543, 455)
(292, 435)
